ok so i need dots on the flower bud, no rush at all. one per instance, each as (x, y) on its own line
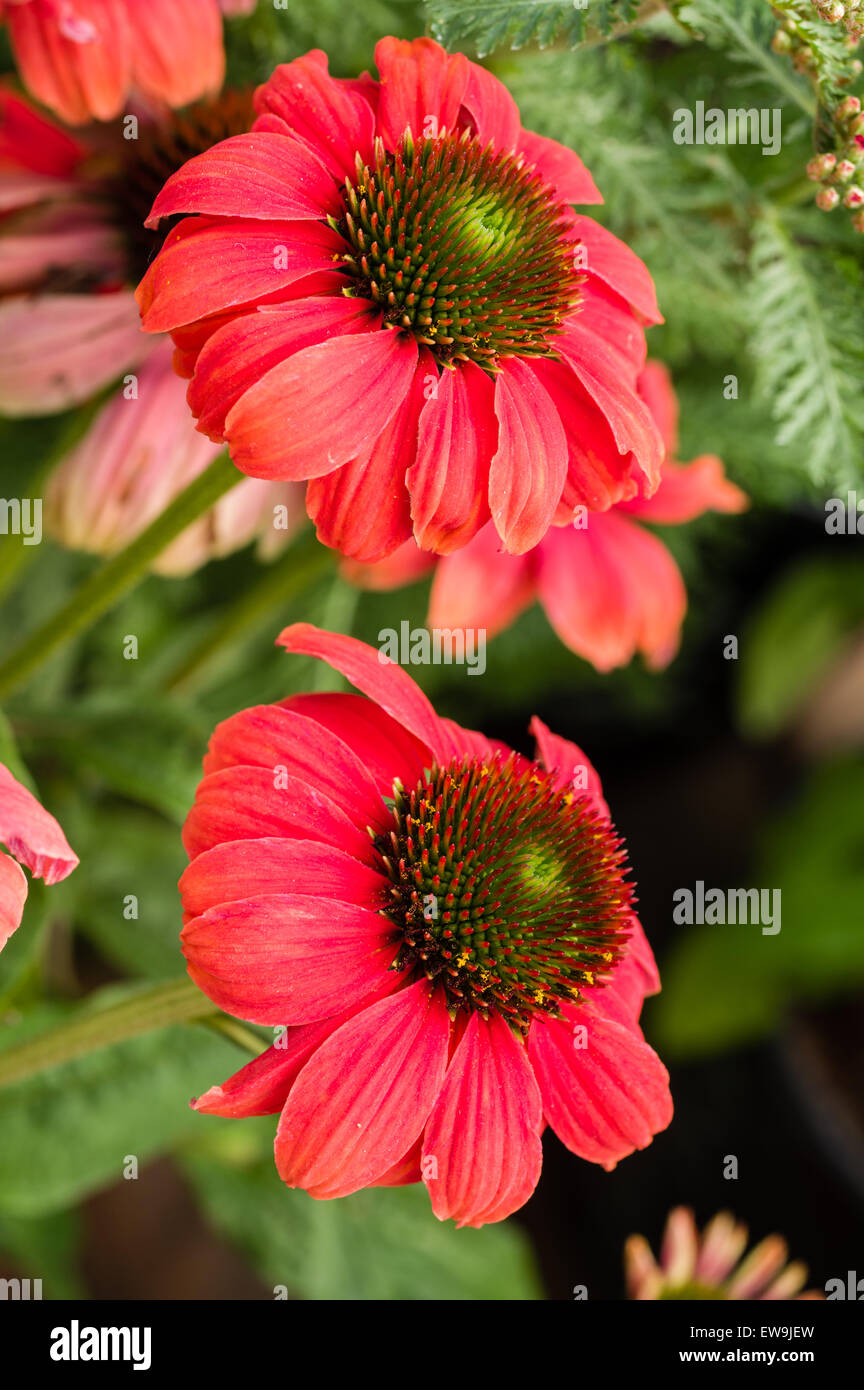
(848, 107)
(820, 166)
(827, 198)
(844, 171)
(854, 198)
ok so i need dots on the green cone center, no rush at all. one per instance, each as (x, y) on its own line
(507, 891)
(467, 249)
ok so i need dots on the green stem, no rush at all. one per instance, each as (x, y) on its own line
(236, 1032)
(107, 585)
(281, 580)
(156, 1006)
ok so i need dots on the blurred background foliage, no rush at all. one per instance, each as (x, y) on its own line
(736, 772)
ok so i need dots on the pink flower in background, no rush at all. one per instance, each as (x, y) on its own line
(234, 7)
(33, 838)
(710, 1266)
(385, 291)
(446, 930)
(71, 239)
(72, 242)
(83, 58)
(67, 321)
(140, 452)
(609, 590)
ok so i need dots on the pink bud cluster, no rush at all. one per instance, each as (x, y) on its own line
(836, 175)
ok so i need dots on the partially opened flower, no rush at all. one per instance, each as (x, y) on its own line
(609, 587)
(444, 927)
(34, 839)
(386, 292)
(83, 58)
(140, 452)
(710, 1265)
(72, 242)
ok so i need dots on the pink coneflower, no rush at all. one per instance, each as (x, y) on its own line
(609, 588)
(446, 930)
(83, 58)
(710, 1266)
(139, 453)
(386, 292)
(72, 243)
(34, 839)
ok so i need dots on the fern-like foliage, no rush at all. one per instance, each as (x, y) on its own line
(743, 29)
(489, 23)
(808, 343)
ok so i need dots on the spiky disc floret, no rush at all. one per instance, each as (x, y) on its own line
(467, 249)
(508, 892)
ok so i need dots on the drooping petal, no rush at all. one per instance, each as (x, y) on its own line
(82, 71)
(259, 175)
(481, 586)
(242, 351)
(610, 317)
(272, 737)
(457, 438)
(284, 958)
(373, 673)
(176, 49)
(612, 261)
(322, 407)
(32, 141)
(363, 508)
(248, 803)
(530, 464)
(381, 743)
(238, 869)
(598, 369)
(605, 1092)
(31, 833)
(481, 1147)
(656, 389)
(422, 87)
(687, 490)
(251, 260)
(613, 590)
(560, 167)
(406, 565)
(262, 1086)
(59, 350)
(362, 1100)
(598, 474)
(333, 120)
(13, 896)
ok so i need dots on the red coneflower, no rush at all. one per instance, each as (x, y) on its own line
(83, 58)
(385, 291)
(444, 928)
(33, 838)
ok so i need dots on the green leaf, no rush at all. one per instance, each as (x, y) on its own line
(381, 1244)
(808, 344)
(69, 1129)
(488, 23)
